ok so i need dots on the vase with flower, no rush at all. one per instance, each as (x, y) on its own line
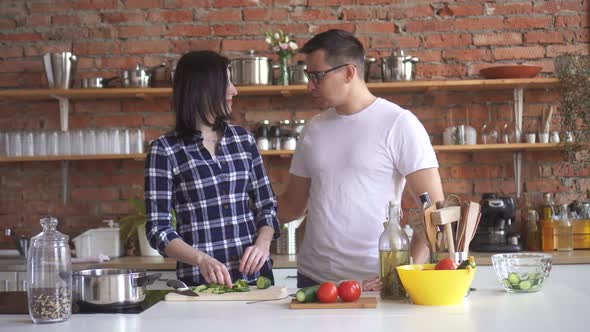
(284, 46)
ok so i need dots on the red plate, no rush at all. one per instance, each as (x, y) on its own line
(517, 71)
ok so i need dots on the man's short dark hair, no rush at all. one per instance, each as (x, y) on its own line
(341, 47)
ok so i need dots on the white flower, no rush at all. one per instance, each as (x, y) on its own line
(276, 49)
(277, 36)
(293, 46)
(268, 40)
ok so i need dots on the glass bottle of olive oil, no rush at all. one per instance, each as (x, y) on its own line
(394, 250)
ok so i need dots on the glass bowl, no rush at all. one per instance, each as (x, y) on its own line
(522, 273)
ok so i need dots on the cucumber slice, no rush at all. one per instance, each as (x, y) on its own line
(263, 282)
(525, 284)
(514, 278)
(507, 283)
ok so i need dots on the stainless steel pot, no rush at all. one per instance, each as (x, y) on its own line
(111, 287)
(251, 70)
(97, 82)
(140, 77)
(398, 67)
(369, 61)
(297, 73)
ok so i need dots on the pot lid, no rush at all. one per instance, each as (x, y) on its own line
(251, 55)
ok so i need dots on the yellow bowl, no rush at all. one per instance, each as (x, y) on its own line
(427, 286)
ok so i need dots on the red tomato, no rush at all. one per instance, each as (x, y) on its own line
(349, 291)
(327, 293)
(446, 264)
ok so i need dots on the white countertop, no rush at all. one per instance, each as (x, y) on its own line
(561, 306)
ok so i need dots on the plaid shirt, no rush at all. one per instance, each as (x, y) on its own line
(211, 198)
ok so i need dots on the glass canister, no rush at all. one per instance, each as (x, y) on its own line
(49, 272)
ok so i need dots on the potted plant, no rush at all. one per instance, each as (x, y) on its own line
(135, 224)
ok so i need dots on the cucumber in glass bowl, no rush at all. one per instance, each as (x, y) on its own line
(522, 272)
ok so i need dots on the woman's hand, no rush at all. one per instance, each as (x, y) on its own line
(255, 256)
(214, 271)
(372, 284)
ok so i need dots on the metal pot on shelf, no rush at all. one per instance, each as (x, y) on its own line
(111, 287)
(369, 61)
(140, 77)
(98, 82)
(297, 73)
(398, 67)
(251, 69)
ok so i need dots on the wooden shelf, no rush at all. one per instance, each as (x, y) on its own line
(276, 90)
(287, 153)
(500, 147)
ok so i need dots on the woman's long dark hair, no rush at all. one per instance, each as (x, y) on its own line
(200, 89)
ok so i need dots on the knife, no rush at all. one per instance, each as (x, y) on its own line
(180, 287)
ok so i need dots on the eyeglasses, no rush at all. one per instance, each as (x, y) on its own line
(317, 76)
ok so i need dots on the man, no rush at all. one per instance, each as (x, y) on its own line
(351, 160)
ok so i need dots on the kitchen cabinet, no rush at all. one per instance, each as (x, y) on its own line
(518, 85)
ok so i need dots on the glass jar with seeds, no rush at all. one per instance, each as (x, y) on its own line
(49, 275)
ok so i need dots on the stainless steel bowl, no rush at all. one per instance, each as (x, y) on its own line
(111, 287)
(251, 70)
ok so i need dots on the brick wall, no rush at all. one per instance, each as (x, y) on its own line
(452, 39)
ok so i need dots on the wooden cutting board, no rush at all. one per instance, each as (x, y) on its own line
(363, 303)
(255, 294)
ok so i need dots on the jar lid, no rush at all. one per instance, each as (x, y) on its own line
(50, 235)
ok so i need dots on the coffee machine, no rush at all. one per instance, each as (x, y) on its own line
(497, 230)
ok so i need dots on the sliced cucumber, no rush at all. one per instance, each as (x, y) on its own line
(263, 282)
(514, 279)
(507, 283)
(525, 284)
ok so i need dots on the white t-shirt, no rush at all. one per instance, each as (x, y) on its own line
(357, 163)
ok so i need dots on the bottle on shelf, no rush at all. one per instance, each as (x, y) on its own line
(533, 233)
(564, 237)
(547, 230)
(394, 250)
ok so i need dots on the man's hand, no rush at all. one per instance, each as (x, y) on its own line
(372, 284)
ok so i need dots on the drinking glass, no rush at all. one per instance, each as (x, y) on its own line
(65, 147)
(77, 142)
(40, 143)
(489, 132)
(28, 148)
(15, 147)
(114, 141)
(124, 141)
(90, 141)
(102, 139)
(52, 143)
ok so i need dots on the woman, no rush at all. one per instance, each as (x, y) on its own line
(209, 171)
